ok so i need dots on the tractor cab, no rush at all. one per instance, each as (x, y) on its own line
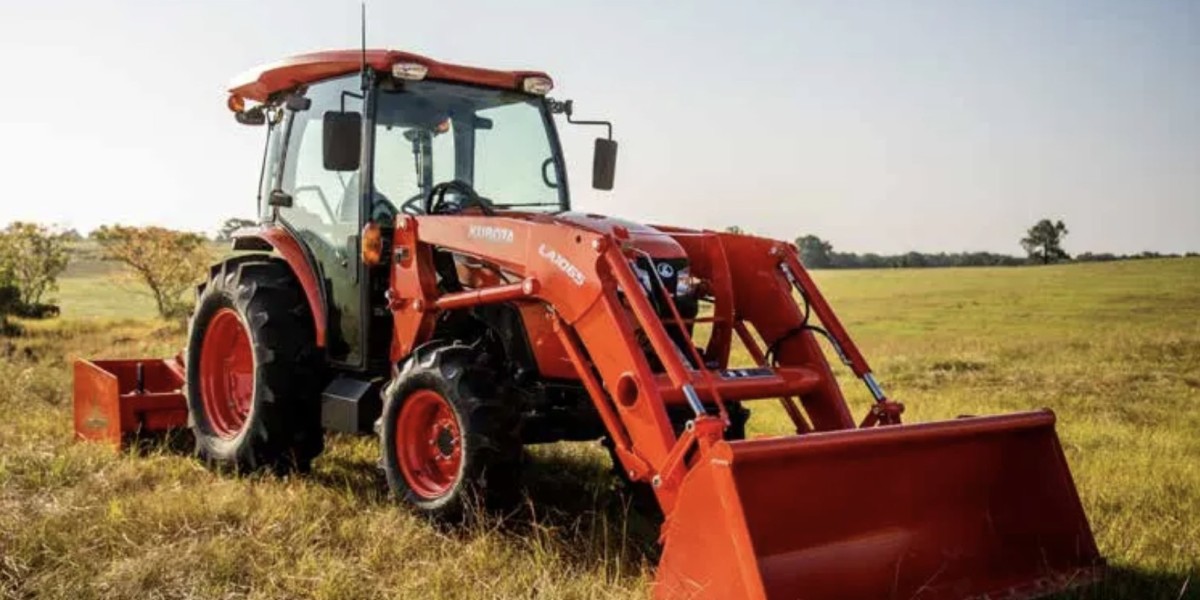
(346, 155)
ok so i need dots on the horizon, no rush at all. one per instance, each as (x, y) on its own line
(952, 127)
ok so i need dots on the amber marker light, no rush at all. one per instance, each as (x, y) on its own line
(372, 244)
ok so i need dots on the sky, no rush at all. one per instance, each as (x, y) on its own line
(881, 126)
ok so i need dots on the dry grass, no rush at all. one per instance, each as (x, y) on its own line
(1114, 349)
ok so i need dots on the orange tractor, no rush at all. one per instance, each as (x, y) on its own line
(419, 273)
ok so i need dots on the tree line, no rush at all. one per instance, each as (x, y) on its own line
(1042, 244)
(166, 263)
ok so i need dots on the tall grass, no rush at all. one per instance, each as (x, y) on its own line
(1113, 348)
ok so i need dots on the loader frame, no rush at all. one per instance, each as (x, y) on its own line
(579, 275)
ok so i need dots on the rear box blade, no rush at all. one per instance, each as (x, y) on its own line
(972, 508)
(116, 399)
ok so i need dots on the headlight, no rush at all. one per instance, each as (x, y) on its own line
(685, 285)
(643, 277)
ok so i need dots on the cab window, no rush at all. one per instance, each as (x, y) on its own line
(325, 203)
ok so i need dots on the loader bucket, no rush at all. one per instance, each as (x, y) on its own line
(971, 508)
(115, 399)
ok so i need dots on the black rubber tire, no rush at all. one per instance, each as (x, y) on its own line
(738, 416)
(489, 476)
(283, 430)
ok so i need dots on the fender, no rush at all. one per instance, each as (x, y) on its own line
(284, 243)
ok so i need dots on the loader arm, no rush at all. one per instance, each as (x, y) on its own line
(976, 507)
(578, 274)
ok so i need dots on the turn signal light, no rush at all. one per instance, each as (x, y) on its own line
(537, 85)
(236, 103)
(372, 244)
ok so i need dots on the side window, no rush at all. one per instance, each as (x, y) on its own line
(324, 202)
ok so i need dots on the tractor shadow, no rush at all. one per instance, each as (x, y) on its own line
(172, 441)
(1122, 581)
(572, 503)
(577, 496)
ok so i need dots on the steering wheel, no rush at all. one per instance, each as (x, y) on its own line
(414, 205)
(435, 202)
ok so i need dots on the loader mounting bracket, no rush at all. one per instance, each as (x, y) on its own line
(886, 412)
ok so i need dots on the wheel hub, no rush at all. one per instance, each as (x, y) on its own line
(446, 442)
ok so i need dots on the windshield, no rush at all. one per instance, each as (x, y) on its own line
(496, 141)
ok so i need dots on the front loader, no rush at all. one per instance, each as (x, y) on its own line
(419, 273)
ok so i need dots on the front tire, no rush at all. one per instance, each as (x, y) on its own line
(448, 437)
(253, 380)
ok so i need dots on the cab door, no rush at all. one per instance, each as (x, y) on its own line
(325, 214)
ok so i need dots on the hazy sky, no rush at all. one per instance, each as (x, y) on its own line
(882, 126)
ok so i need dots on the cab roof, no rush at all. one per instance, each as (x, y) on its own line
(262, 82)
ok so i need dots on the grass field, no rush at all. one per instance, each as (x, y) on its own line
(1113, 348)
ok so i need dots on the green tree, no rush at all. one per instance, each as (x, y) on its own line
(1043, 241)
(815, 252)
(9, 296)
(225, 233)
(167, 262)
(6, 264)
(735, 229)
(31, 258)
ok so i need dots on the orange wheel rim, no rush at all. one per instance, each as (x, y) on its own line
(428, 444)
(226, 374)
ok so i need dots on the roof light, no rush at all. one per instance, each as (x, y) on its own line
(410, 71)
(537, 85)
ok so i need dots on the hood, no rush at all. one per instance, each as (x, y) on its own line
(645, 238)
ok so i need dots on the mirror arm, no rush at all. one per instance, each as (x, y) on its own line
(604, 123)
(567, 107)
(354, 95)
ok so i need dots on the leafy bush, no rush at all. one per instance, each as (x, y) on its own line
(166, 261)
(31, 259)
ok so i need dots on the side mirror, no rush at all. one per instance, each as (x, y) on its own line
(604, 164)
(341, 136)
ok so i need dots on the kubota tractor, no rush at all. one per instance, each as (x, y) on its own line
(418, 272)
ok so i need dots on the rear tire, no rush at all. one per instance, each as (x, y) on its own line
(448, 437)
(253, 369)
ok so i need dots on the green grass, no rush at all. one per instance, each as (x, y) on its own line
(93, 288)
(1113, 349)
